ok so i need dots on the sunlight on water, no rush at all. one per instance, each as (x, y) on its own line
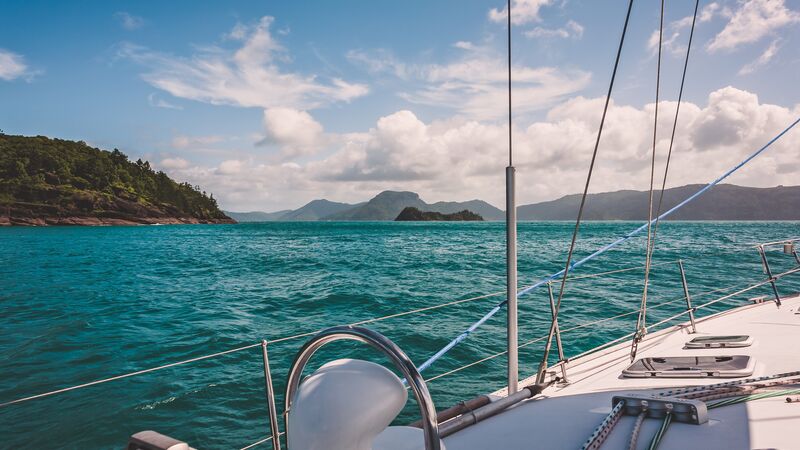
(86, 303)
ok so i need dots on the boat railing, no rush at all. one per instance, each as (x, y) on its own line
(561, 364)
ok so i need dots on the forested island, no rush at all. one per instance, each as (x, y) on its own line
(46, 181)
(411, 214)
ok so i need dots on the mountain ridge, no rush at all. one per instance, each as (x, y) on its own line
(723, 202)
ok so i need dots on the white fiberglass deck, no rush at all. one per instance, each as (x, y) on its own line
(564, 416)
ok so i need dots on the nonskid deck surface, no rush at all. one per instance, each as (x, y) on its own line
(564, 416)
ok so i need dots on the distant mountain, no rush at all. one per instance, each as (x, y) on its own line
(722, 202)
(384, 206)
(316, 210)
(257, 216)
(411, 214)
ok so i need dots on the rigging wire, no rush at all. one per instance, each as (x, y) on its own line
(651, 245)
(675, 121)
(575, 232)
(466, 333)
(641, 321)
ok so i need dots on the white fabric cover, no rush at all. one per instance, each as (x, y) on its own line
(344, 405)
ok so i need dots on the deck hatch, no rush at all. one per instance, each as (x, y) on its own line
(730, 341)
(733, 366)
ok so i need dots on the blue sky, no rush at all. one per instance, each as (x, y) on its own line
(272, 104)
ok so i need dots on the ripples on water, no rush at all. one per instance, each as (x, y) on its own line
(86, 303)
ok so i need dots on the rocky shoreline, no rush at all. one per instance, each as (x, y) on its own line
(47, 215)
(102, 221)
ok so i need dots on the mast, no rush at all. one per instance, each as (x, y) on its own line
(511, 243)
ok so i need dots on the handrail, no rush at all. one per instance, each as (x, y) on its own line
(606, 319)
(383, 344)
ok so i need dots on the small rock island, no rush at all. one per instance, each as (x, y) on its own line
(411, 214)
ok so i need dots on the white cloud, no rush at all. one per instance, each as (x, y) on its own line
(571, 30)
(174, 163)
(156, 102)
(709, 11)
(295, 131)
(460, 159)
(129, 21)
(522, 11)
(464, 45)
(182, 141)
(762, 60)
(752, 21)
(249, 76)
(230, 167)
(13, 66)
(475, 84)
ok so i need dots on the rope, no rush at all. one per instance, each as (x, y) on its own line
(626, 269)
(757, 395)
(651, 244)
(131, 374)
(688, 390)
(753, 397)
(482, 360)
(675, 121)
(660, 433)
(575, 232)
(637, 427)
(392, 316)
(642, 320)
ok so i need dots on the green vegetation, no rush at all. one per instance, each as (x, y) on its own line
(41, 177)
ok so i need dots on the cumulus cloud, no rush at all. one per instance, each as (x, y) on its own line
(522, 11)
(753, 20)
(295, 131)
(174, 163)
(249, 76)
(462, 158)
(128, 21)
(762, 60)
(572, 29)
(230, 167)
(13, 66)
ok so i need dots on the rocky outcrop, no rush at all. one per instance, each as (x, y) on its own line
(411, 214)
(115, 211)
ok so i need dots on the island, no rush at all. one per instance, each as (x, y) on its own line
(46, 181)
(412, 214)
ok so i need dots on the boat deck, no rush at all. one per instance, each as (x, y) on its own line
(564, 416)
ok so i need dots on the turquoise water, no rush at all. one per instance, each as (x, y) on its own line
(80, 304)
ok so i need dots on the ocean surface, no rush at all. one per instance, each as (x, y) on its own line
(80, 304)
